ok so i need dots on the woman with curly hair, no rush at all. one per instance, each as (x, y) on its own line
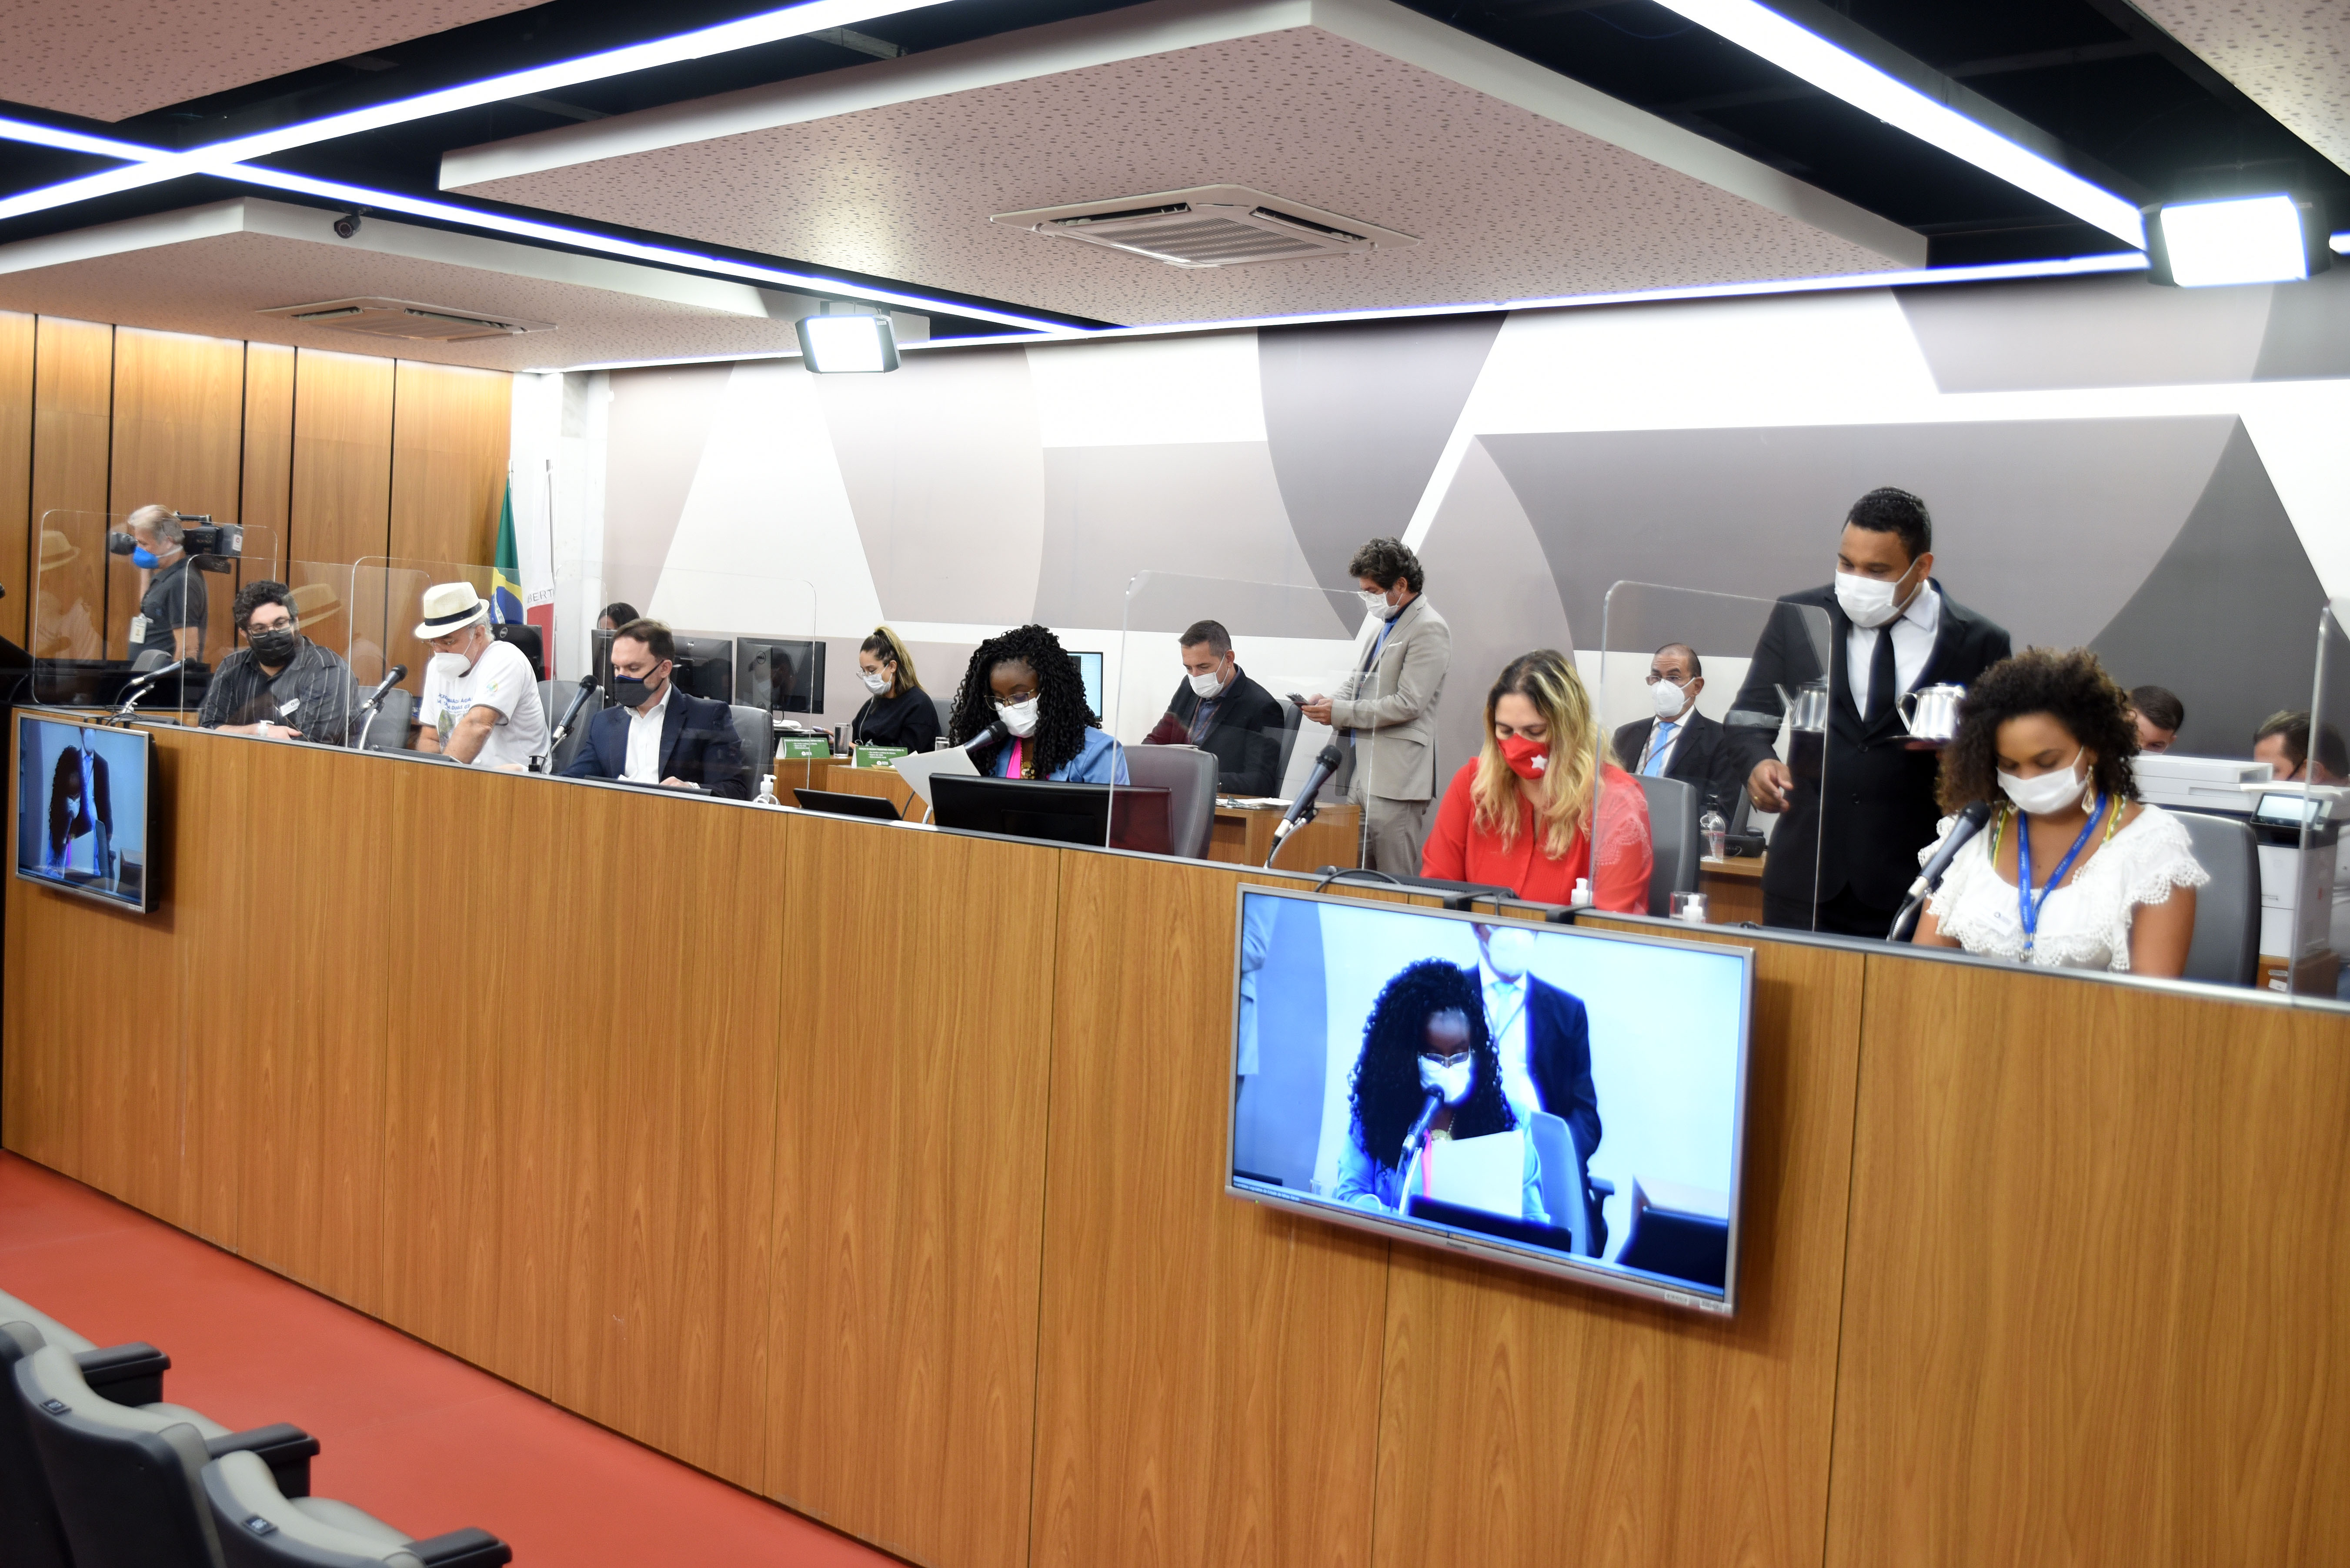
(2074, 872)
(1426, 1035)
(1517, 816)
(1025, 679)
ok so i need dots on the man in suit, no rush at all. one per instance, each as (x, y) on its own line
(655, 734)
(1680, 743)
(1891, 629)
(1542, 1036)
(1388, 715)
(1218, 709)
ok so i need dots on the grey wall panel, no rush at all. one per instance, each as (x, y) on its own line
(2228, 617)
(2047, 526)
(1358, 414)
(660, 420)
(2309, 329)
(2117, 331)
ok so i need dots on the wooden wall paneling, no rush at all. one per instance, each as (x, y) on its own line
(179, 416)
(2099, 1253)
(16, 474)
(1208, 1387)
(73, 378)
(1521, 1413)
(451, 430)
(910, 1185)
(217, 884)
(265, 489)
(340, 508)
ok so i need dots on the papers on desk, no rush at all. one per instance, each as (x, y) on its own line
(918, 768)
(1251, 803)
(1488, 1173)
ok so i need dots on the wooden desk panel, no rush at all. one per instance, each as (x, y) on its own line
(1208, 1388)
(2100, 1249)
(909, 1188)
(1243, 836)
(840, 778)
(1520, 1415)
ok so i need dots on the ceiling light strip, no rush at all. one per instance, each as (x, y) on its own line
(1803, 53)
(151, 165)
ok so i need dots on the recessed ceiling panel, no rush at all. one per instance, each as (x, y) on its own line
(2289, 56)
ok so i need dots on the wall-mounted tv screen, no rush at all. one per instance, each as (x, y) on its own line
(1562, 1100)
(81, 809)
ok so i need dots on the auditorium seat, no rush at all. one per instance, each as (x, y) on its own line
(124, 1479)
(2226, 946)
(258, 1526)
(387, 731)
(1289, 719)
(1673, 836)
(554, 697)
(31, 1535)
(755, 727)
(1188, 774)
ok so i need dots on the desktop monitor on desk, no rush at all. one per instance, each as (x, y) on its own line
(780, 674)
(705, 666)
(1089, 675)
(1114, 816)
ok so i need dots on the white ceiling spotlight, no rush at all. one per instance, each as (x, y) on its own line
(2242, 239)
(832, 344)
(1840, 73)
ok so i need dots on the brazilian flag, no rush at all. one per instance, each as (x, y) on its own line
(506, 578)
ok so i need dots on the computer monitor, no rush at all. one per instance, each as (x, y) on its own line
(705, 666)
(839, 804)
(82, 824)
(1089, 671)
(1588, 1088)
(780, 674)
(1123, 816)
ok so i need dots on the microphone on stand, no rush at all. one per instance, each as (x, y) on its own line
(540, 764)
(1302, 809)
(375, 700)
(1969, 823)
(995, 733)
(137, 685)
(1411, 1144)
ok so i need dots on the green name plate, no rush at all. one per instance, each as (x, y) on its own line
(802, 750)
(874, 756)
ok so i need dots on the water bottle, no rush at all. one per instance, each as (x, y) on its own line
(1715, 831)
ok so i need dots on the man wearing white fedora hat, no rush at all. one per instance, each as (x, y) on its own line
(480, 702)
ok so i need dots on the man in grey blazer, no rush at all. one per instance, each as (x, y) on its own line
(1390, 716)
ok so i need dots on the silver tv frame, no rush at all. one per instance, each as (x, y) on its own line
(146, 902)
(1662, 1288)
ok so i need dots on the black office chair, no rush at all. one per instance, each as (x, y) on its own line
(527, 638)
(2226, 946)
(258, 1526)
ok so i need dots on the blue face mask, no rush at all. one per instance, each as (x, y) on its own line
(143, 557)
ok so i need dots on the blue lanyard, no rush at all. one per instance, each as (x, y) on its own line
(2027, 907)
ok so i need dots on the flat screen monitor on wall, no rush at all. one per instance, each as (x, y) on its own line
(1563, 1101)
(780, 674)
(82, 824)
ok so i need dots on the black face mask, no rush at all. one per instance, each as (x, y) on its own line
(274, 646)
(629, 692)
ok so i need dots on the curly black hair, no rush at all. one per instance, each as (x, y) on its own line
(2069, 685)
(1062, 715)
(1387, 1095)
(1384, 560)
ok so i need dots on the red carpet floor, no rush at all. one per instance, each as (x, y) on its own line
(418, 1438)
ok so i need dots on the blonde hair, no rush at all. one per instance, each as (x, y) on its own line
(887, 644)
(1546, 678)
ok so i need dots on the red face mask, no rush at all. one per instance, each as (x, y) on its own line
(1527, 759)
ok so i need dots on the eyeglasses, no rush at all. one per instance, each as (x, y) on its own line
(1656, 675)
(1459, 1059)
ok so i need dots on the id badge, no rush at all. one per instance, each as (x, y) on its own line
(285, 708)
(137, 631)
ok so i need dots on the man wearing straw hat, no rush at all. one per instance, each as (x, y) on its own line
(481, 700)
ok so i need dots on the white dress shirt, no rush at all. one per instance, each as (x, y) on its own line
(644, 740)
(1913, 643)
(1505, 1015)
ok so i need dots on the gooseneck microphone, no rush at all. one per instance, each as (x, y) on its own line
(138, 685)
(578, 700)
(1969, 823)
(1302, 809)
(995, 733)
(1419, 1128)
(375, 700)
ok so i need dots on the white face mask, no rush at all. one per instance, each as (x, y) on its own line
(875, 680)
(2046, 793)
(1668, 697)
(1449, 1079)
(1020, 718)
(1509, 950)
(1869, 601)
(1378, 605)
(452, 665)
(1207, 685)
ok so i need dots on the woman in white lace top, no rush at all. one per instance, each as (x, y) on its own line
(2074, 871)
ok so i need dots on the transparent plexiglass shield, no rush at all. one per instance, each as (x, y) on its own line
(1214, 772)
(1718, 707)
(2319, 966)
(101, 626)
(310, 697)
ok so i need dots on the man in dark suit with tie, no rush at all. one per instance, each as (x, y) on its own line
(1891, 629)
(1680, 743)
(655, 734)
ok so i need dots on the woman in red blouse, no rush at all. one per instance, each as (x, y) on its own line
(1519, 815)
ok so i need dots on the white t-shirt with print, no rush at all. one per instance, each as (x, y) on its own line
(500, 679)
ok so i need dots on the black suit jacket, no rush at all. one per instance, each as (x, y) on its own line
(1702, 756)
(698, 745)
(1558, 1059)
(1879, 807)
(1244, 735)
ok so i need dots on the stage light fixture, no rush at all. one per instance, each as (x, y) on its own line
(2268, 238)
(831, 344)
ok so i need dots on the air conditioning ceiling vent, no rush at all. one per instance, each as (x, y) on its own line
(407, 319)
(1210, 226)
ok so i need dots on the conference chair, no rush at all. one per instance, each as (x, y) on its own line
(1188, 774)
(945, 706)
(755, 727)
(31, 1535)
(124, 1479)
(2226, 946)
(1289, 719)
(1673, 838)
(258, 1526)
(527, 638)
(554, 697)
(387, 730)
